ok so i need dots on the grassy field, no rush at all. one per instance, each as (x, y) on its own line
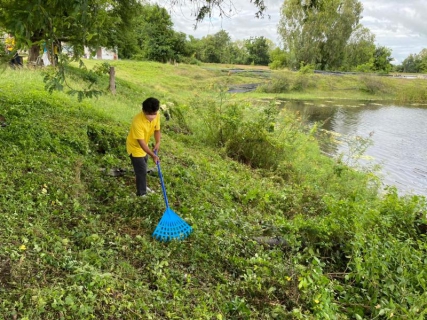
(280, 231)
(186, 82)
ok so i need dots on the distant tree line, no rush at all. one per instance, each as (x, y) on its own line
(414, 63)
(328, 36)
(324, 35)
(150, 36)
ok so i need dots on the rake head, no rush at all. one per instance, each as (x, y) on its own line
(171, 226)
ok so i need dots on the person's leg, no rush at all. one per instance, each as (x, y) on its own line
(140, 169)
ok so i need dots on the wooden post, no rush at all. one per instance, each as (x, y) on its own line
(112, 80)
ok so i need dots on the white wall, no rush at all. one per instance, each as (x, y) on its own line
(101, 54)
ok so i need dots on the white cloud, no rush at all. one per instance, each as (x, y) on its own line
(398, 24)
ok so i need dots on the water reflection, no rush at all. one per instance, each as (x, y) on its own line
(399, 136)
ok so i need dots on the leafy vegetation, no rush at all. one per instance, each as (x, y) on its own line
(329, 36)
(307, 85)
(76, 243)
(414, 63)
(325, 35)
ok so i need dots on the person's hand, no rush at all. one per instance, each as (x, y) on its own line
(155, 158)
(156, 148)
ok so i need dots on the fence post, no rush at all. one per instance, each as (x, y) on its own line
(112, 80)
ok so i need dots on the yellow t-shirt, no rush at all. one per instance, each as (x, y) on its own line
(141, 129)
(10, 43)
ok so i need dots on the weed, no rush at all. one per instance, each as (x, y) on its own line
(373, 85)
(77, 244)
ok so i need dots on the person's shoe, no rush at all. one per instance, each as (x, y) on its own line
(141, 195)
(149, 190)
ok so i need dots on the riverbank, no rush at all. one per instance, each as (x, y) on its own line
(77, 244)
(284, 84)
(396, 133)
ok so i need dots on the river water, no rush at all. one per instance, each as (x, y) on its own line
(398, 134)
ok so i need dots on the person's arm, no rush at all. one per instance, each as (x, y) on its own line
(157, 136)
(147, 150)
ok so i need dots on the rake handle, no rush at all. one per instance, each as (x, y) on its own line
(162, 182)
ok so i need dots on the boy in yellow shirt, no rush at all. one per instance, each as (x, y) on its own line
(10, 43)
(144, 125)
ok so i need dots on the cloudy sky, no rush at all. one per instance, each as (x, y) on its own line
(400, 25)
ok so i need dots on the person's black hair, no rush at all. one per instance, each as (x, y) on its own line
(151, 105)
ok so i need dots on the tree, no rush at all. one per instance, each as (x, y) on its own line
(194, 48)
(279, 59)
(91, 23)
(423, 64)
(316, 32)
(155, 34)
(96, 23)
(382, 59)
(79, 23)
(415, 63)
(258, 49)
(359, 49)
(238, 52)
(411, 64)
(216, 48)
(206, 8)
(122, 36)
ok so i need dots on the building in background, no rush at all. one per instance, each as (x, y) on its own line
(101, 54)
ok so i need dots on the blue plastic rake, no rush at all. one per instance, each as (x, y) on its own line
(170, 226)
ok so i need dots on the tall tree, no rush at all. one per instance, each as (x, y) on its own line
(206, 8)
(279, 59)
(217, 47)
(258, 49)
(79, 23)
(155, 34)
(194, 48)
(316, 31)
(359, 49)
(415, 63)
(423, 64)
(411, 64)
(238, 52)
(382, 59)
(122, 36)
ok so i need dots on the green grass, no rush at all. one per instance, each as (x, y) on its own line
(76, 242)
(184, 82)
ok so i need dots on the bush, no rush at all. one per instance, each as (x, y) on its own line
(303, 82)
(279, 84)
(191, 60)
(415, 94)
(367, 67)
(308, 68)
(372, 85)
(279, 58)
(253, 145)
(139, 57)
(107, 139)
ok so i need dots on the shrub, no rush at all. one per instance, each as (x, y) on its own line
(372, 84)
(107, 139)
(279, 58)
(303, 82)
(367, 67)
(191, 60)
(252, 144)
(414, 94)
(308, 68)
(279, 84)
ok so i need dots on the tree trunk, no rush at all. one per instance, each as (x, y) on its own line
(112, 80)
(33, 53)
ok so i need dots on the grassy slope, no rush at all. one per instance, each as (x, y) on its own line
(77, 244)
(336, 87)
